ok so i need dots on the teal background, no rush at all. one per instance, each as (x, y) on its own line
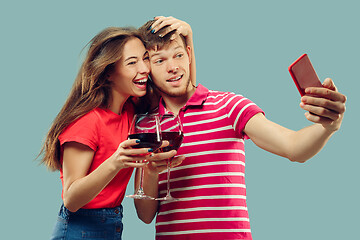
(240, 46)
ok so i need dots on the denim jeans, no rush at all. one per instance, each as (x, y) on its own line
(101, 223)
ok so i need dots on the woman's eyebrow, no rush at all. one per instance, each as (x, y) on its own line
(130, 58)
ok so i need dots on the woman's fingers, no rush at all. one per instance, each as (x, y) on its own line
(128, 156)
(161, 22)
(166, 25)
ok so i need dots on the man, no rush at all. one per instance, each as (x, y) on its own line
(210, 182)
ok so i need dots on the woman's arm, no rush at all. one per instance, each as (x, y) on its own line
(79, 186)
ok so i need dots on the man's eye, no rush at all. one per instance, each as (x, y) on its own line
(179, 55)
(158, 61)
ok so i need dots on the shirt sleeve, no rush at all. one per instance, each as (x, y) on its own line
(240, 111)
(83, 130)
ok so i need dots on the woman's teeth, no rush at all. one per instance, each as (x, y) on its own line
(141, 82)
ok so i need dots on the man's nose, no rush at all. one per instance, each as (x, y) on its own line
(172, 67)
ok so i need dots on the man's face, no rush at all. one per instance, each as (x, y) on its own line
(170, 69)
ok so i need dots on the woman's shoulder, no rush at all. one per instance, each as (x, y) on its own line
(84, 130)
(92, 117)
(102, 116)
(87, 121)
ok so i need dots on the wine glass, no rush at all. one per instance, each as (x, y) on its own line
(172, 131)
(146, 128)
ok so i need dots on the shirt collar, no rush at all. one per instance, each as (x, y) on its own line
(197, 99)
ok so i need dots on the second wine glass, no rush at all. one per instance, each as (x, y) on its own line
(172, 131)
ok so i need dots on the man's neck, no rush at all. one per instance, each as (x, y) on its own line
(174, 104)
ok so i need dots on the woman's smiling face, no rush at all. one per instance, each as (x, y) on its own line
(129, 75)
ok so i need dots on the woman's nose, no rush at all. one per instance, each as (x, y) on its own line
(144, 67)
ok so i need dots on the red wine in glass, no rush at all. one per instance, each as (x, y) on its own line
(175, 139)
(147, 140)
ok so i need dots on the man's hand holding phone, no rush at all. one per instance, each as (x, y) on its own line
(325, 105)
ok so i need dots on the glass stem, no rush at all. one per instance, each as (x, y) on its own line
(140, 191)
(168, 177)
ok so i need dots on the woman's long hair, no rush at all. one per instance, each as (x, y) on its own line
(91, 88)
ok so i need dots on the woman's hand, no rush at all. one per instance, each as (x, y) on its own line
(127, 156)
(166, 25)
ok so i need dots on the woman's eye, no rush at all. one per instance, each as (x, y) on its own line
(131, 63)
(158, 61)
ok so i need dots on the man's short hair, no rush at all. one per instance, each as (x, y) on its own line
(153, 40)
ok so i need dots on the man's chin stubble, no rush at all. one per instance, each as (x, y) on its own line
(175, 95)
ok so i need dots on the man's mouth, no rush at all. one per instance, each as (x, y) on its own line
(174, 79)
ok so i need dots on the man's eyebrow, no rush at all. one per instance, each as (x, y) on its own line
(155, 54)
(159, 53)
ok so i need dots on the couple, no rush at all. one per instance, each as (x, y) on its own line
(87, 141)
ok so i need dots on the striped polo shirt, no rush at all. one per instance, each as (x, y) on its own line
(210, 183)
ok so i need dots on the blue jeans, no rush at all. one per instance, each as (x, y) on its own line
(101, 223)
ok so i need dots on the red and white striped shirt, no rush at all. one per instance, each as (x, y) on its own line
(210, 183)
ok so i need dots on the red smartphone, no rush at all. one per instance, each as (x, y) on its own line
(303, 74)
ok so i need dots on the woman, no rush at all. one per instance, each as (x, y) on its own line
(87, 141)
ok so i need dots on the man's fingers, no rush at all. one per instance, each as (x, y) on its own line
(321, 112)
(164, 143)
(336, 106)
(318, 119)
(176, 161)
(161, 165)
(161, 156)
(326, 93)
(328, 83)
